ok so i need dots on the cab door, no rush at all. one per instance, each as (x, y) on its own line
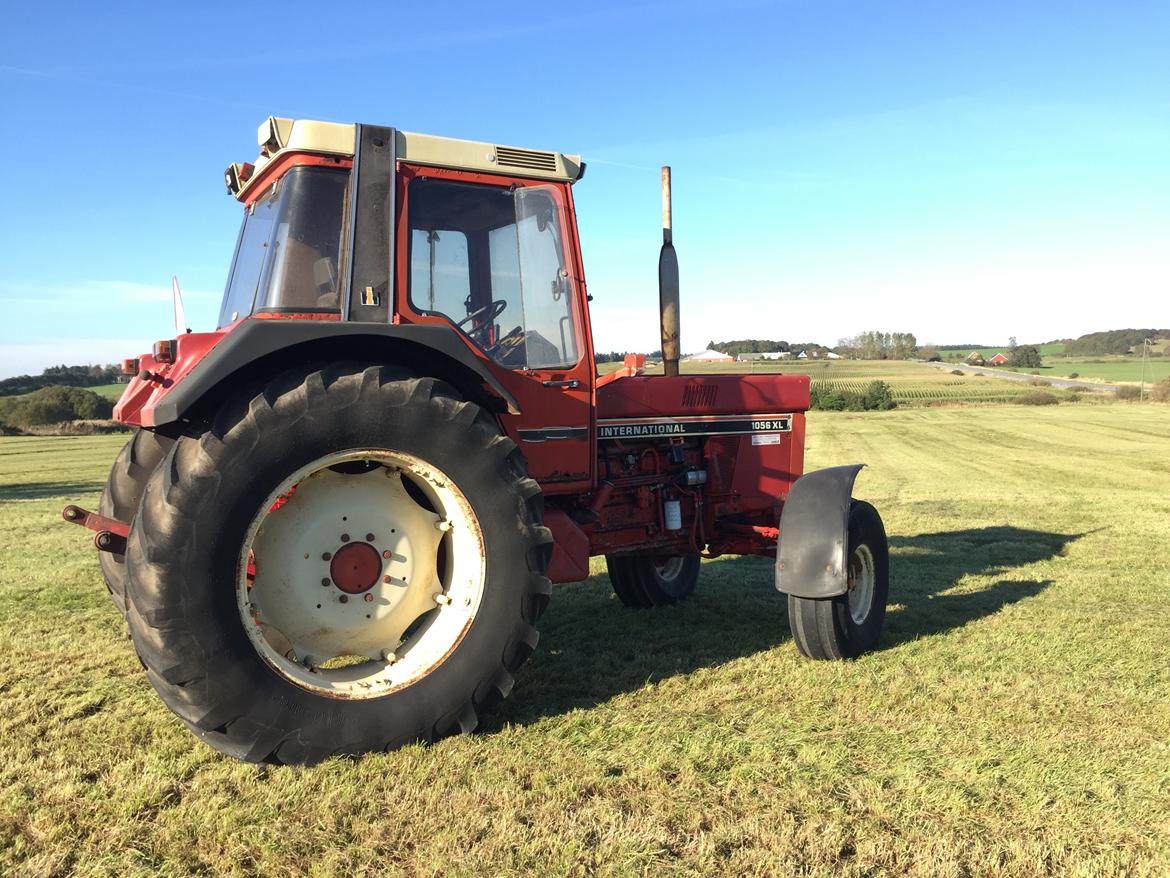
(497, 258)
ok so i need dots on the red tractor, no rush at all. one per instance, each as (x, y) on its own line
(339, 520)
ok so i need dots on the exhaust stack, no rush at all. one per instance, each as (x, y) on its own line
(668, 285)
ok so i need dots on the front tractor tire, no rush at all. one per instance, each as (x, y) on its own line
(643, 580)
(350, 561)
(132, 467)
(850, 624)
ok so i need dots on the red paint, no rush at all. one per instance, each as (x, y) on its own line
(142, 394)
(633, 364)
(570, 555)
(95, 522)
(355, 568)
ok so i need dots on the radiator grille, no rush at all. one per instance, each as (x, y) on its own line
(699, 396)
(530, 159)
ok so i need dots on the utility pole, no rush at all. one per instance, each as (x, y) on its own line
(1146, 344)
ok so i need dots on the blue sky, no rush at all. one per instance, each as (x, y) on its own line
(964, 172)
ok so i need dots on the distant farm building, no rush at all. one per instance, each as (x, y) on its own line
(764, 355)
(710, 356)
(998, 360)
(832, 356)
(975, 358)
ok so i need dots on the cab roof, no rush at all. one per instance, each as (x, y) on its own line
(277, 135)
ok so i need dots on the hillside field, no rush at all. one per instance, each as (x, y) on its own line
(912, 384)
(1014, 723)
(1119, 369)
(109, 391)
(1052, 349)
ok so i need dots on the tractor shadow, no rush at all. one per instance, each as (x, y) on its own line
(592, 648)
(45, 490)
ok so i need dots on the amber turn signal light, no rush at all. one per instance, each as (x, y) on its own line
(130, 366)
(164, 351)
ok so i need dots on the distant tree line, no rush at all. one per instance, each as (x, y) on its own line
(762, 346)
(619, 356)
(53, 405)
(1116, 341)
(875, 345)
(67, 376)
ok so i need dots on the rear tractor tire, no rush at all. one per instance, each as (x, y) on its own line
(850, 624)
(132, 467)
(643, 580)
(350, 561)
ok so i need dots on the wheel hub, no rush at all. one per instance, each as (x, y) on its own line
(862, 579)
(356, 567)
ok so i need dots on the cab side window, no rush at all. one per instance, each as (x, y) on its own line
(492, 261)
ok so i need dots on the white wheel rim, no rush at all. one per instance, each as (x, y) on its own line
(358, 589)
(861, 584)
(670, 568)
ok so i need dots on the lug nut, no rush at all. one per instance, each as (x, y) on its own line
(387, 554)
(369, 538)
(325, 581)
(389, 656)
(369, 598)
(443, 525)
(442, 599)
(345, 538)
(325, 556)
(344, 599)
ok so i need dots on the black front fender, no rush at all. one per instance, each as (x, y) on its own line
(814, 524)
(257, 346)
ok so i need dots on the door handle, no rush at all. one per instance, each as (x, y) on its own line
(571, 384)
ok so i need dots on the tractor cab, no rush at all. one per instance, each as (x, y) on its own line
(362, 236)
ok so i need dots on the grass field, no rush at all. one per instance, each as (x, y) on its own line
(912, 384)
(1052, 349)
(1120, 369)
(1016, 721)
(109, 391)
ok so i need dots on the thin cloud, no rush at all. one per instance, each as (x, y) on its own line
(87, 294)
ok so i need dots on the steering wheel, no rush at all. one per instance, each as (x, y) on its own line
(494, 308)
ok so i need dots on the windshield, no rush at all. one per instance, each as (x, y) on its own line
(286, 257)
(492, 260)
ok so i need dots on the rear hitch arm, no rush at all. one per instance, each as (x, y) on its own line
(110, 533)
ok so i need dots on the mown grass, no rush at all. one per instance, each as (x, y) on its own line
(1015, 722)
